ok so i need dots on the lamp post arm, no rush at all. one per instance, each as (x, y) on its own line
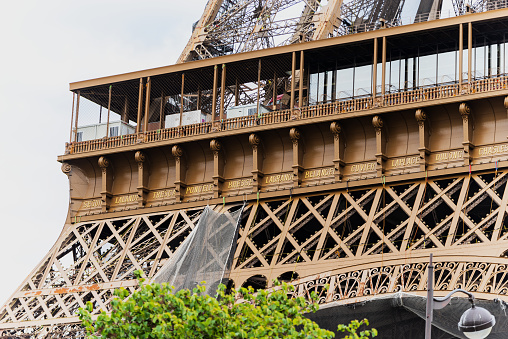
(439, 303)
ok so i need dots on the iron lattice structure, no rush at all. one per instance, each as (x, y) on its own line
(387, 231)
(234, 26)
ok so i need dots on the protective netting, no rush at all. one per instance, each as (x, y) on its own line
(205, 255)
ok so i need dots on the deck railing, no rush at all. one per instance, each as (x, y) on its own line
(309, 112)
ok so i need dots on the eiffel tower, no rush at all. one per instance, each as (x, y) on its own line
(359, 141)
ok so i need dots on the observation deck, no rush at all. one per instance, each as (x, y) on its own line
(410, 100)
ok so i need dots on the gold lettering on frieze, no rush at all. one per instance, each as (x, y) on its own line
(164, 194)
(275, 179)
(199, 189)
(491, 150)
(126, 198)
(318, 173)
(371, 166)
(239, 183)
(91, 203)
(405, 161)
(447, 156)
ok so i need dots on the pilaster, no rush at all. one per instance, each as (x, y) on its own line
(107, 183)
(467, 132)
(424, 132)
(378, 124)
(296, 138)
(257, 162)
(339, 145)
(218, 167)
(143, 174)
(180, 172)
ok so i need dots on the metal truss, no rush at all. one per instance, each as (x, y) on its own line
(362, 242)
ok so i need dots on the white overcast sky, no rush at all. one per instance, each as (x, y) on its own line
(45, 45)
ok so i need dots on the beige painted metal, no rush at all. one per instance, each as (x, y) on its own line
(328, 20)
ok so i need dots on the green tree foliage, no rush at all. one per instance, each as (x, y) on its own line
(154, 311)
(353, 327)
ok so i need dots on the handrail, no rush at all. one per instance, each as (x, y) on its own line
(308, 112)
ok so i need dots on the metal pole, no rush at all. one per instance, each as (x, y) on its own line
(259, 85)
(161, 113)
(383, 68)
(214, 93)
(237, 93)
(109, 111)
(72, 116)
(77, 115)
(274, 91)
(461, 51)
(222, 92)
(140, 105)
(300, 87)
(293, 79)
(430, 300)
(374, 69)
(147, 104)
(469, 50)
(181, 99)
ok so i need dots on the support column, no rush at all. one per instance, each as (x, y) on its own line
(467, 131)
(339, 145)
(214, 92)
(147, 105)
(181, 99)
(461, 51)
(72, 116)
(107, 183)
(274, 91)
(423, 129)
(125, 113)
(374, 69)
(383, 68)
(259, 86)
(377, 122)
(218, 167)
(293, 78)
(77, 116)
(181, 172)
(222, 92)
(140, 106)
(237, 93)
(143, 174)
(297, 140)
(469, 51)
(257, 162)
(300, 82)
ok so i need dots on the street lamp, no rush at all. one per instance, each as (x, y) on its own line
(475, 323)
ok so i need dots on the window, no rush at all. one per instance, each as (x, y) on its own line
(79, 136)
(113, 131)
(252, 111)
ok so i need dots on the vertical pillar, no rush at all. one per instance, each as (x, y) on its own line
(222, 92)
(107, 183)
(109, 111)
(297, 140)
(339, 146)
(461, 51)
(469, 51)
(467, 131)
(147, 105)
(257, 162)
(383, 68)
(218, 167)
(259, 86)
(214, 92)
(180, 172)
(77, 116)
(374, 69)
(142, 178)
(198, 101)
(293, 79)
(377, 122)
(423, 148)
(181, 99)
(140, 106)
(274, 91)
(300, 82)
(72, 116)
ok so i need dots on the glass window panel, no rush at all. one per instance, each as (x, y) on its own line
(321, 87)
(479, 62)
(363, 80)
(427, 70)
(344, 83)
(313, 90)
(446, 69)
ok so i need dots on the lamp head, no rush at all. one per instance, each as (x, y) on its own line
(476, 322)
